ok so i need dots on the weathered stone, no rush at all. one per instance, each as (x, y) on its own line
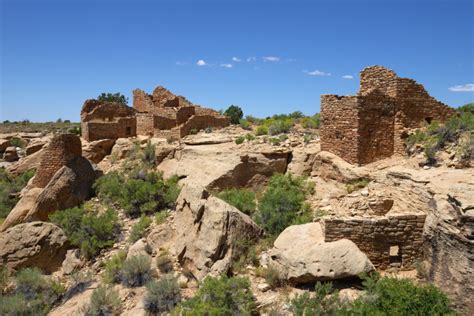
(210, 232)
(139, 248)
(96, 151)
(10, 154)
(4, 144)
(301, 256)
(26, 163)
(36, 244)
(35, 145)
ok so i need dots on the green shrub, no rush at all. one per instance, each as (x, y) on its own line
(90, 231)
(239, 140)
(244, 124)
(14, 305)
(4, 279)
(280, 126)
(136, 271)
(356, 184)
(310, 122)
(221, 296)
(113, 266)
(261, 130)
(249, 137)
(296, 115)
(104, 301)
(193, 131)
(144, 192)
(283, 137)
(252, 119)
(162, 295)
(307, 138)
(430, 150)
(275, 141)
(270, 275)
(160, 217)
(113, 97)
(283, 203)
(235, 114)
(242, 199)
(318, 303)
(139, 229)
(17, 142)
(149, 155)
(466, 108)
(10, 188)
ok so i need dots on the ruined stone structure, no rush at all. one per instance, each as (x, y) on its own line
(161, 114)
(394, 240)
(164, 114)
(107, 120)
(373, 124)
(61, 151)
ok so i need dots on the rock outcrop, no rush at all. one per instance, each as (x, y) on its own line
(10, 154)
(210, 232)
(36, 244)
(300, 256)
(96, 151)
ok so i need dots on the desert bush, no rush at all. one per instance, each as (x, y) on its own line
(465, 149)
(242, 199)
(252, 119)
(283, 203)
(164, 262)
(221, 296)
(430, 150)
(261, 130)
(235, 114)
(244, 124)
(13, 305)
(143, 192)
(136, 271)
(4, 279)
(280, 126)
(311, 122)
(17, 142)
(249, 137)
(239, 140)
(193, 131)
(104, 301)
(296, 115)
(113, 97)
(90, 231)
(149, 155)
(162, 295)
(307, 138)
(139, 229)
(270, 275)
(10, 188)
(113, 266)
(356, 184)
(466, 108)
(160, 217)
(320, 302)
(275, 141)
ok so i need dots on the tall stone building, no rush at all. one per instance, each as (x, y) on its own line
(373, 124)
(161, 114)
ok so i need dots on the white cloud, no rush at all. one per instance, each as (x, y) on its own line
(468, 87)
(250, 59)
(201, 62)
(271, 58)
(316, 73)
(348, 77)
(227, 65)
(237, 60)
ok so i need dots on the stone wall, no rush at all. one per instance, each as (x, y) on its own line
(339, 126)
(202, 122)
(374, 124)
(145, 123)
(142, 102)
(378, 237)
(61, 150)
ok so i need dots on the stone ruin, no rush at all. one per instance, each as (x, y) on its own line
(161, 114)
(373, 124)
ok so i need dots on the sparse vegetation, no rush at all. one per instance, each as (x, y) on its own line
(261, 130)
(162, 295)
(311, 122)
(279, 126)
(239, 140)
(104, 301)
(249, 137)
(321, 302)
(245, 124)
(149, 156)
(242, 199)
(10, 188)
(283, 203)
(221, 296)
(160, 217)
(17, 142)
(356, 184)
(235, 114)
(270, 275)
(113, 266)
(4, 279)
(140, 228)
(88, 230)
(113, 97)
(136, 271)
(164, 262)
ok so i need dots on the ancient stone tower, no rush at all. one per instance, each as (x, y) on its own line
(373, 124)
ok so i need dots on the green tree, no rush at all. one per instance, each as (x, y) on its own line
(235, 113)
(113, 97)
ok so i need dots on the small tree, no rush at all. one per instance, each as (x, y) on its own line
(113, 97)
(235, 113)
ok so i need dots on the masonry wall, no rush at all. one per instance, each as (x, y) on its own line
(378, 78)
(376, 127)
(202, 122)
(142, 102)
(145, 123)
(375, 236)
(60, 151)
(123, 127)
(184, 114)
(339, 126)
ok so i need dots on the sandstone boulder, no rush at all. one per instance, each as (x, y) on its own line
(330, 166)
(26, 163)
(25, 204)
(36, 244)
(300, 256)
(210, 232)
(122, 147)
(35, 145)
(4, 144)
(10, 154)
(96, 151)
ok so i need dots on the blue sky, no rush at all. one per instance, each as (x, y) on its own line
(266, 56)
